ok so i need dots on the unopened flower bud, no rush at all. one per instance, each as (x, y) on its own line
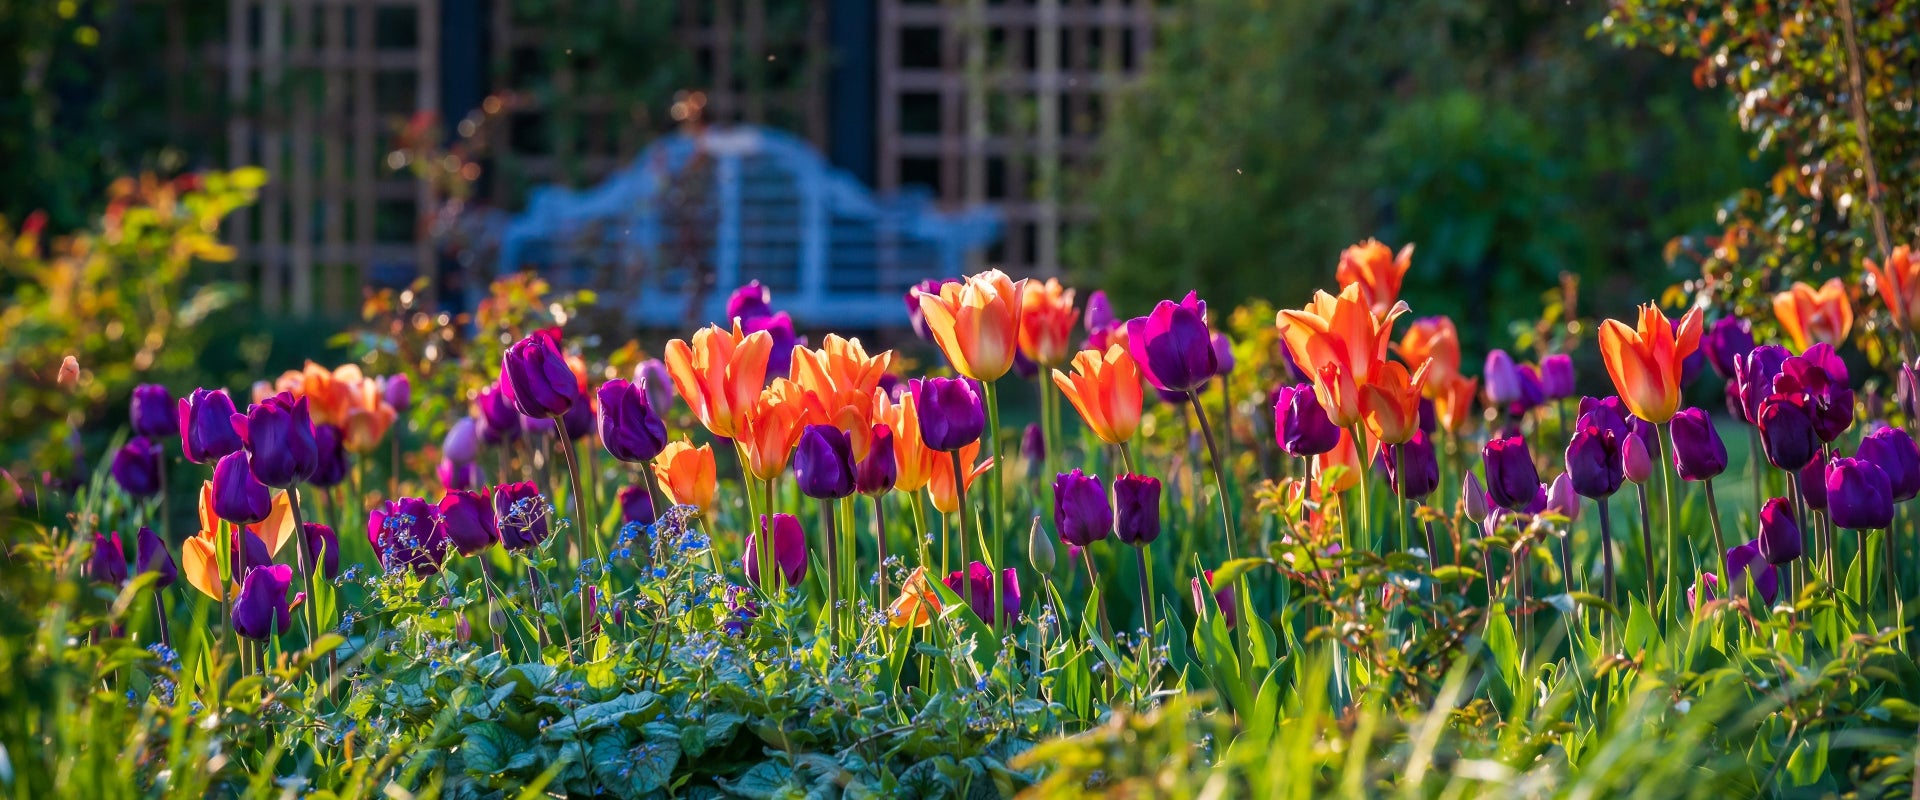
(1040, 547)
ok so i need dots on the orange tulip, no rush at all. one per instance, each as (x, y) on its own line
(1344, 456)
(367, 418)
(1435, 341)
(770, 427)
(1376, 270)
(838, 381)
(330, 393)
(1333, 386)
(1453, 403)
(917, 603)
(1105, 389)
(977, 323)
(940, 481)
(1391, 402)
(1810, 315)
(686, 473)
(1899, 284)
(277, 529)
(1339, 329)
(200, 553)
(1047, 316)
(720, 374)
(1645, 362)
(912, 459)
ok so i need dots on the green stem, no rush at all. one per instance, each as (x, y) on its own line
(833, 570)
(990, 531)
(960, 491)
(1667, 477)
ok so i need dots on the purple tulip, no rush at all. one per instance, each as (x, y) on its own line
(1223, 597)
(108, 562)
(1786, 432)
(1300, 426)
(629, 428)
(153, 413)
(1636, 461)
(1531, 392)
(1698, 453)
(521, 513)
(1473, 498)
(1172, 345)
(279, 437)
(462, 444)
(206, 426)
(455, 477)
(1502, 379)
(980, 579)
(1561, 498)
(950, 413)
(751, 301)
(1099, 312)
(136, 467)
(1893, 451)
(468, 522)
(499, 421)
(1823, 357)
(1813, 484)
(152, 556)
(876, 474)
(1754, 373)
(1828, 399)
(1428, 422)
(789, 544)
(1136, 500)
(330, 462)
(1744, 562)
(1703, 591)
(1726, 341)
(1413, 468)
(636, 506)
(1223, 354)
(1556, 376)
(780, 327)
(1779, 541)
(1858, 495)
(929, 286)
(398, 392)
(1512, 481)
(323, 546)
(653, 378)
(535, 376)
(238, 496)
(823, 463)
(1080, 510)
(261, 609)
(1594, 460)
(246, 550)
(1033, 444)
(404, 535)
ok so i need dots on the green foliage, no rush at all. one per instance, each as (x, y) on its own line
(117, 297)
(1266, 136)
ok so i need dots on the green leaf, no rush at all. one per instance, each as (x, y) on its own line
(765, 781)
(488, 747)
(627, 709)
(1233, 570)
(1449, 573)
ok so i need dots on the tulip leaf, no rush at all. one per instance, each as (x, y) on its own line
(1450, 573)
(1231, 571)
(1592, 600)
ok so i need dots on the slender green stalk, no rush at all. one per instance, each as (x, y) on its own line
(880, 547)
(990, 529)
(833, 570)
(1219, 476)
(1366, 479)
(1646, 541)
(1606, 550)
(1719, 539)
(1668, 475)
(309, 610)
(960, 490)
(1146, 587)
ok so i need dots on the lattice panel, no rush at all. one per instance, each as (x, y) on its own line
(318, 89)
(993, 102)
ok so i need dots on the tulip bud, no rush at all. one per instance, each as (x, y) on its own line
(261, 610)
(1813, 484)
(397, 390)
(1300, 425)
(462, 444)
(1635, 462)
(206, 426)
(1172, 345)
(136, 467)
(1502, 379)
(876, 474)
(468, 518)
(751, 301)
(69, 375)
(1786, 432)
(1859, 495)
(108, 562)
(1223, 597)
(1413, 468)
(1779, 541)
(950, 413)
(823, 463)
(330, 461)
(1744, 563)
(1512, 480)
(1698, 453)
(536, 378)
(1726, 341)
(1136, 509)
(636, 506)
(238, 496)
(1033, 444)
(1754, 373)
(462, 630)
(152, 556)
(1594, 461)
(1561, 499)
(152, 412)
(521, 512)
(1040, 547)
(1474, 498)
(1223, 354)
(1080, 511)
(278, 434)
(1702, 591)
(977, 582)
(498, 420)
(324, 548)
(629, 428)
(653, 378)
(789, 543)
(1556, 376)
(1893, 451)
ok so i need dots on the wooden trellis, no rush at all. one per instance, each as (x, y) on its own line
(317, 88)
(992, 102)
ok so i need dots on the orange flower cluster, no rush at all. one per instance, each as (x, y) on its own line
(1344, 342)
(1047, 316)
(1810, 315)
(344, 397)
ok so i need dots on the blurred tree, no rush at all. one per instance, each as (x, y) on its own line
(1836, 193)
(1270, 134)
